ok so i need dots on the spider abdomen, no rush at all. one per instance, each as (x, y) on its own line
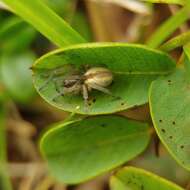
(99, 76)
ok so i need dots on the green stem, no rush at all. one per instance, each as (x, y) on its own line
(176, 42)
(46, 21)
(168, 27)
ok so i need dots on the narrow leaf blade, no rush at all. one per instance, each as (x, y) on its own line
(45, 21)
(168, 27)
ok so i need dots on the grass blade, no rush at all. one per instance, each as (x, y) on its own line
(168, 27)
(45, 21)
(176, 42)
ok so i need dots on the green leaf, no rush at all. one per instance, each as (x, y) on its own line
(176, 42)
(170, 111)
(16, 75)
(163, 165)
(134, 68)
(180, 2)
(14, 31)
(77, 151)
(45, 21)
(168, 27)
(64, 8)
(131, 178)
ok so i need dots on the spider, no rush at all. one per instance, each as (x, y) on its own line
(98, 78)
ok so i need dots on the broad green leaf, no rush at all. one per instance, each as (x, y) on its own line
(5, 183)
(77, 151)
(168, 27)
(170, 111)
(16, 75)
(134, 68)
(45, 21)
(176, 42)
(180, 2)
(131, 178)
(13, 31)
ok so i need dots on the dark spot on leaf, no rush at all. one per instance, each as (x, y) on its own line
(173, 123)
(89, 104)
(160, 121)
(94, 100)
(122, 104)
(182, 146)
(171, 137)
(163, 130)
(103, 125)
(169, 82)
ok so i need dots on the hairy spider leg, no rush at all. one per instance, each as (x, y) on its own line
(85, 96)
(85, 93)
(56, 73)
(46, 83)
(102, 89)
(57, 83)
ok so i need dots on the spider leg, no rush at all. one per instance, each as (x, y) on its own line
(60, 92)
(57, 96)
(57, 84)
(46, 83)
(102, 89)
(49, 78)
(57, 73)
(85, 94)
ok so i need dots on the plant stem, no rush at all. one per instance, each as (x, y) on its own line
(176, 42)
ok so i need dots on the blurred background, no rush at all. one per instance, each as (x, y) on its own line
(24, 115)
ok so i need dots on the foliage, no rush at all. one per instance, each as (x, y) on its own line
(92, 140)
(83, 147)
(131, 82)
(138, 179)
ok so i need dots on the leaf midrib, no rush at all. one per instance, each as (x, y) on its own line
(72, 149)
